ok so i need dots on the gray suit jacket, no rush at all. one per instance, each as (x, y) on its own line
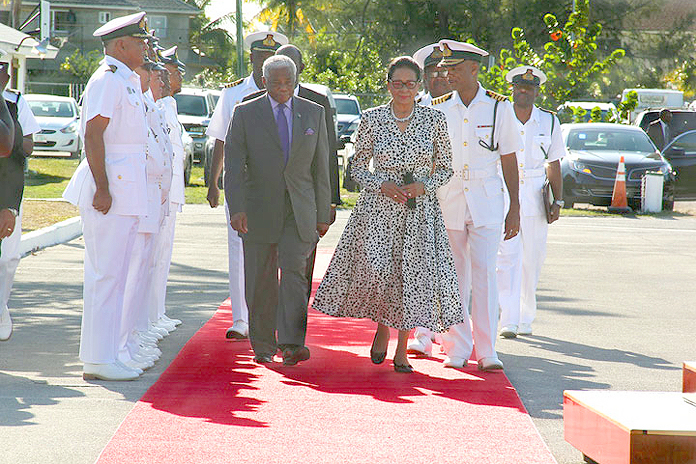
(256, 176)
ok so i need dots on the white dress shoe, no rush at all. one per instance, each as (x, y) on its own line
(149, 350)
(421, 346)
(240, 328)
(147, 361)
(490, 364)
(525, 329)
(148, 337)
(169, 319)
(134, 366)
(113, 371)
(159, 332)
(509, 331)
(168, 326)
(454, 362)
(5, 325)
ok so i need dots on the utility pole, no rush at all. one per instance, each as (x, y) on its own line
(240, 40)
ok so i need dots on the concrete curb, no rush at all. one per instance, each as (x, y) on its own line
(55, 234)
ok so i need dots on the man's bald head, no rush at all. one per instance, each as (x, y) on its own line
(294, 54)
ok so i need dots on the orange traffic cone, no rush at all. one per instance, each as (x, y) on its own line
(619, 203)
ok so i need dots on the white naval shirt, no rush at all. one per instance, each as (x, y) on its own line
(475, 167)
(531, 159)
(230, 97)
(114, 92)
(26, 118)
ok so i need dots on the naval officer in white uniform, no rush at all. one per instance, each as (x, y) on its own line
(262, 45)
(9, 246)
(164, 241)
(520, 258)
(110, 188)
(484, 138)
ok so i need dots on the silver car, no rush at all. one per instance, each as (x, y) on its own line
(59, 119)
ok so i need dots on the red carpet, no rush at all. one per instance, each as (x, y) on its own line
(215, 405)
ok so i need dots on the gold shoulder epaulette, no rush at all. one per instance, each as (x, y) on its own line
(113, 68)
(232, 84)
(496, 96)
(547, 111)
(441, 99)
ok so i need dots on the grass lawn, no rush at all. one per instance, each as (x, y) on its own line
(49, 175)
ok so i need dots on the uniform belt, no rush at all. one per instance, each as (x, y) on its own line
(125, 148)
(529, 173)
(471, 174)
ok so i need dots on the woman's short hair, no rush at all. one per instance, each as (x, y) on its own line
(404, 62)
(278, 62)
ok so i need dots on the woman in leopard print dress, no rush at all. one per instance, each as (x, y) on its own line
(393, 263)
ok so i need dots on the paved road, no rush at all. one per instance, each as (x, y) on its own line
(615, 302)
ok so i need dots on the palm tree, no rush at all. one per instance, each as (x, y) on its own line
(286, 15)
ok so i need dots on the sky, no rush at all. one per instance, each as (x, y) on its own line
(219, 8)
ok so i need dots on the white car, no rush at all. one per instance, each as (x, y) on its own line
(609, 111)
(59, 119)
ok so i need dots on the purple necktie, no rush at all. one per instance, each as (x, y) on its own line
(282, 123)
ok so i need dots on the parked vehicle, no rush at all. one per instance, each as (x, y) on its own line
(681, 154)
(188, 156)
(655, 98)
(594, 150)
(683, 120)
(348, 113)
(609, 111)
(59, 119)
(195, 108)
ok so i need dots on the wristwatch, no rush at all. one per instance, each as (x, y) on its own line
(560, 203)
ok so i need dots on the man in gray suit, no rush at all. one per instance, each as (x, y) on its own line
(278, 194)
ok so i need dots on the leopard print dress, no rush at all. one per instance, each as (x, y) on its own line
(394, 264)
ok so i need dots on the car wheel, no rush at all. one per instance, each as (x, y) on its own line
(568, 201)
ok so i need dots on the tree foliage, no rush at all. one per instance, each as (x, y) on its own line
(82, 66)
(569, 58)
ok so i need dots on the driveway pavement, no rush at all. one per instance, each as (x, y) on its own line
(615, 312)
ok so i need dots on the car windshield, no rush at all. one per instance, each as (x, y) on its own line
(51, 109)
(345, 106)
(191, 105)
(609, 139)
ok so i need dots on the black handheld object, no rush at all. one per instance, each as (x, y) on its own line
(408, 179)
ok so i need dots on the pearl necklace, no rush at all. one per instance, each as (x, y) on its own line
(413, 110)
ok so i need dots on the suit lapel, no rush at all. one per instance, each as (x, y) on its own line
(297, 115)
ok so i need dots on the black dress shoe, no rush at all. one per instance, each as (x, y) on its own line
(293, 355)
(263, 358)
(403, 368)
(234, 334)
(377, 358)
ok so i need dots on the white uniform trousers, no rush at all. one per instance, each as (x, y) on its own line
(9, 260)
(475, 251)
(109, 240)
(135, 308)
(235, 250)
(162, 261)
(519, 265)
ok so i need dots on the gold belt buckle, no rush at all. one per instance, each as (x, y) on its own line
(465, 174)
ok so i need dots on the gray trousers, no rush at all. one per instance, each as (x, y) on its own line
(277, 306)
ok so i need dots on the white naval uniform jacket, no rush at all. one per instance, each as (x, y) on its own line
(114, 92)
(176, 131)
(539, 143)
(476, 174)
(159, 168)
(231, 96)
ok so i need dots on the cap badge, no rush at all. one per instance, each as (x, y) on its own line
(528, 75)
(269, 41)
(436, 54)
(446, 50)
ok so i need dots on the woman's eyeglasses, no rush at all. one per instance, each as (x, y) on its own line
(401, 84)
(434, 74)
